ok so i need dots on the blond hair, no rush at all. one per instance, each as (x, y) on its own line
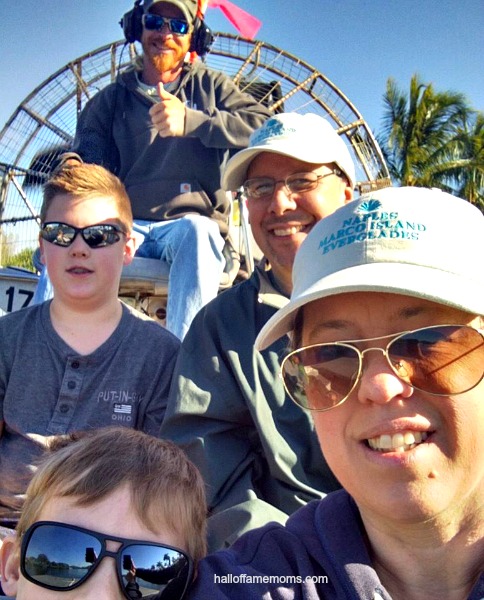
(165, 485)
(82, 180)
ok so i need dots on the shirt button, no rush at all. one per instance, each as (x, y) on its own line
(64, 408)
(75, 364)
(71, 385)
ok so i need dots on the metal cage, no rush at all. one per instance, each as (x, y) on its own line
(44, 124)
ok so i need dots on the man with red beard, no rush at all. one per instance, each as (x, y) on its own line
(166, 127)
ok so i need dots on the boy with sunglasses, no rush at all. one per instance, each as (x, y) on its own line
(112, 514)
(83, 360)
(387, 326)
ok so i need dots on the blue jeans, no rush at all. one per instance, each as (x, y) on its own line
(192, 246)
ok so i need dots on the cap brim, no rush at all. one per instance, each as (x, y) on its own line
(235, 173)
(396, 278)
(180, 5)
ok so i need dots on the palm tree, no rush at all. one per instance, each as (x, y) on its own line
(433, 139)
(465, 165)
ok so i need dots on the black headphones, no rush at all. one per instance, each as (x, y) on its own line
(202, 36)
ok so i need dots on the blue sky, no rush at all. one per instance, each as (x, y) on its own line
(357, 44)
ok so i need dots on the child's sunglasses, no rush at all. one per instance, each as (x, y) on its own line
(442, 360)
(61, 557)
(95, 236)
(156, 23)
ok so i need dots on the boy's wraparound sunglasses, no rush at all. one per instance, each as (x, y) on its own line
(442, 360)
(61, 557)
(95, 236)
(154, 22)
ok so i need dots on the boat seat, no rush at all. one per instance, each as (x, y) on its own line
(149, 276)
(145, 277)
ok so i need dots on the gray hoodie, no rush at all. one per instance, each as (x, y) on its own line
(167, 178)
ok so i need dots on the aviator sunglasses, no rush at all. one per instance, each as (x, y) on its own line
(441, 360)
(156, 22)
(61, 557)
(95, 236)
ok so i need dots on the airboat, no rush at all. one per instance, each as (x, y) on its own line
(43, 126)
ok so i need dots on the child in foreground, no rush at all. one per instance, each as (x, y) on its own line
(116, 494)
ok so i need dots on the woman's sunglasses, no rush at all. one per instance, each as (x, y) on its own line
(62, 557)
(442, 360)
(95, 236)
(156, 23)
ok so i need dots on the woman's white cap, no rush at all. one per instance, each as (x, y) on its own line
(418, 242)
(308, 137)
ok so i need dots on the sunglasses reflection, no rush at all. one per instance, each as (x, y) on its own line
(166, 579)
(170, 575)
(319, 385)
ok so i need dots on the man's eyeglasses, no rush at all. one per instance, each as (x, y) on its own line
(263, 187)
(95, 236)
(441, 360)
(156, 22)
(61, 557)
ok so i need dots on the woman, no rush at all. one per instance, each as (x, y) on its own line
(388, 355)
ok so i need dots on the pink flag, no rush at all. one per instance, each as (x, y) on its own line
(240, 19)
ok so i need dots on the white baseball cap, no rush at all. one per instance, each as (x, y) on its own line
(418, 242)
(308, 137)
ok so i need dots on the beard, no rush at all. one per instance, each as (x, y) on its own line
(165, 61)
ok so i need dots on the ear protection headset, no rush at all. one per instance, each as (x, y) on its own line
(202, 36)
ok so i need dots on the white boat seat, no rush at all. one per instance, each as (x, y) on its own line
(145, 277)
(149, 276)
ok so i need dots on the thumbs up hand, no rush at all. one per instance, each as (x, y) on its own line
(168, 115)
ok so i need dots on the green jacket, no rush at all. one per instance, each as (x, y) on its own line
(257, 451)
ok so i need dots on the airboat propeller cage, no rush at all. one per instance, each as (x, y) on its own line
(307, 137)
(43, 125)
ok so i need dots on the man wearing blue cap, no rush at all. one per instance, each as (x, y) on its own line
(258, 454)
